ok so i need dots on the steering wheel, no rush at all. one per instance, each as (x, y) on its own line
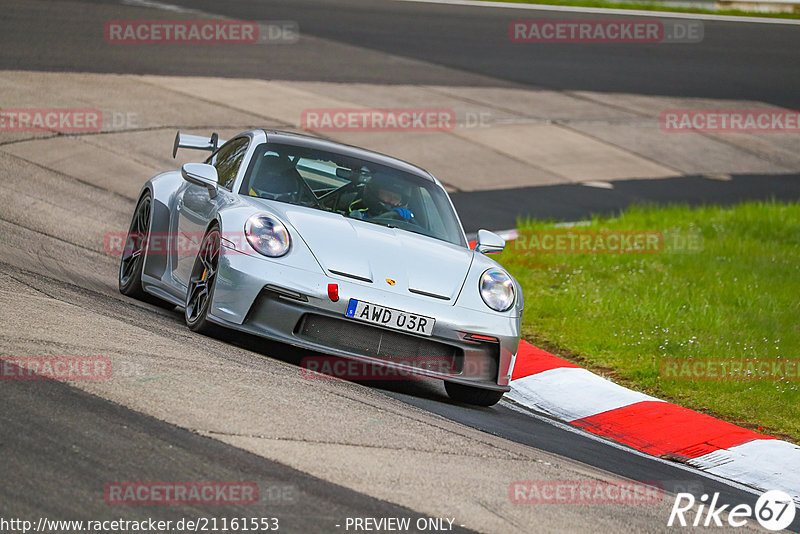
(393, 215)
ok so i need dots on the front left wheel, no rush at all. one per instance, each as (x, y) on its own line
(132, 262)
(201, 284)
(130, 266)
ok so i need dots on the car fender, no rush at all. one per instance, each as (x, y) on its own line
(232, 219)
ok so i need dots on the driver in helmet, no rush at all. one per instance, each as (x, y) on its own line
(383, 197)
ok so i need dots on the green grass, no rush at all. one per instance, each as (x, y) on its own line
(734, 294)
(650, 6)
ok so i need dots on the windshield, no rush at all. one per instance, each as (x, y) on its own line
(351, 187)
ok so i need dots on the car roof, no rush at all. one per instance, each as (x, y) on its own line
(308, 141)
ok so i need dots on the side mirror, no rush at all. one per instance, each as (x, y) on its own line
(202, 174)
(489, 242)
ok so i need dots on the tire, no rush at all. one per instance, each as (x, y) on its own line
(132, 261)
(472, 395)
(202, 282)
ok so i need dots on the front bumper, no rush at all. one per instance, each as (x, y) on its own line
(272, 300)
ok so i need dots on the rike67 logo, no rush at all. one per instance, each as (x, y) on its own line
(774, 510)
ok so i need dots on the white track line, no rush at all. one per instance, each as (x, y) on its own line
(153, 4)
(569, 428)
(571, 393)
(610, 11)
(763, 463)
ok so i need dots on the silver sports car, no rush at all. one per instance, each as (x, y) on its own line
(337, 249)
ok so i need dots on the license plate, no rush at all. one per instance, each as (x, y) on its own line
(390, 318)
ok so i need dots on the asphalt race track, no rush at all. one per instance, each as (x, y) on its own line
(64, 439)
(734, 61)
(187, 407)
(501, 208)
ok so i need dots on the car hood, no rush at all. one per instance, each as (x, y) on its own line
(364, 251)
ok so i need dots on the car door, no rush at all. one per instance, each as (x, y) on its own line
(195, 207)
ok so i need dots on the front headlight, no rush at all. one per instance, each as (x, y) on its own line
(267, 235)
(497, 289)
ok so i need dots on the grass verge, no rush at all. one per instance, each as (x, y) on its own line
(722, 285)
(650, 6)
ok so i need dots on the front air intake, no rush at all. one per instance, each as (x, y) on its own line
(377, 342)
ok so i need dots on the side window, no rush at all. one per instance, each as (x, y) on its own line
(227, 161)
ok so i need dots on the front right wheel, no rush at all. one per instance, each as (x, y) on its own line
(472, 395)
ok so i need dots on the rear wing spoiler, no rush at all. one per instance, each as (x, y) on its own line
(197, 142)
